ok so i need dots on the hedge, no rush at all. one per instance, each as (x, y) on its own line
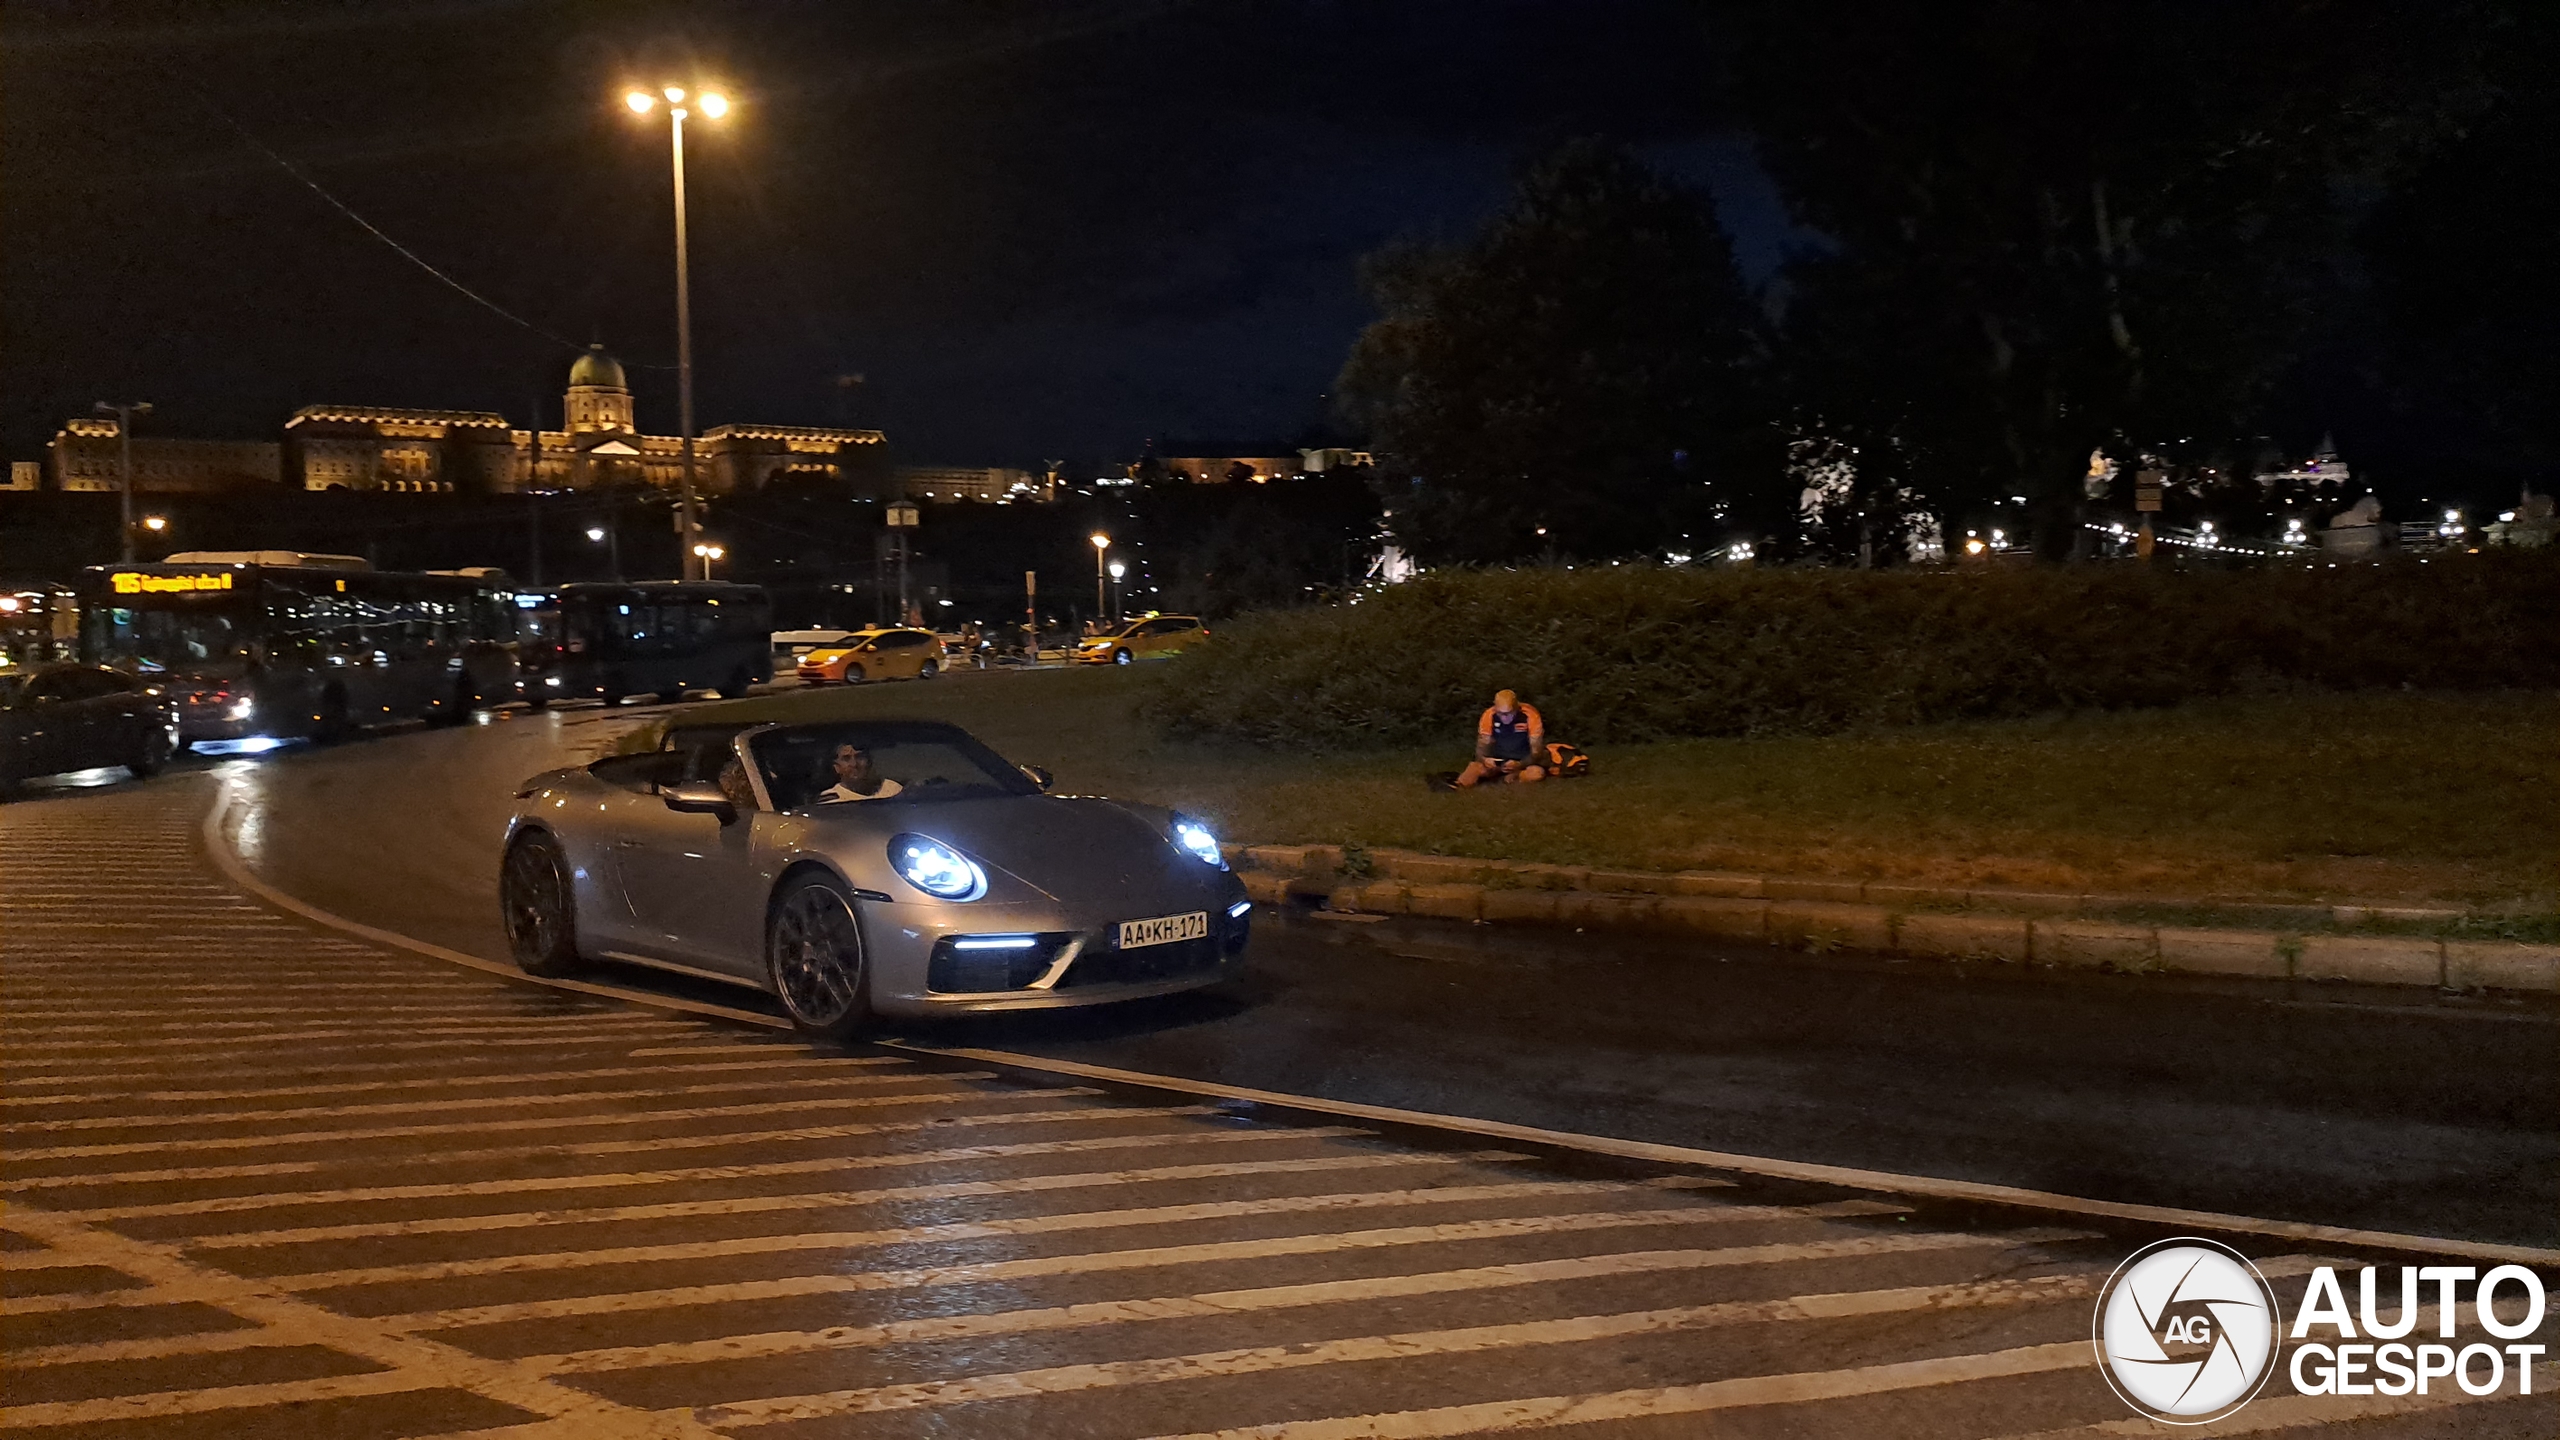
(1642, 653)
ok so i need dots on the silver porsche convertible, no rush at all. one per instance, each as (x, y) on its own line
(865, 868)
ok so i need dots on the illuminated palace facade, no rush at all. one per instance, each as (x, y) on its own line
(449, 452)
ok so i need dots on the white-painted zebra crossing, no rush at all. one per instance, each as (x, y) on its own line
(263, 1178)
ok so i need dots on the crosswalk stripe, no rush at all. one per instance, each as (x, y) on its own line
(1545, 1412)
(517, 1264)
(1094, 1262)
(633, 1179)
(366, 1037)
(818, 1200)
(425, 1068)
(725, 1140)
(1392, 1287)
(488, 1127)
(816, 1093)
(1262, 1359)
(306, 1054)
(444, 1082)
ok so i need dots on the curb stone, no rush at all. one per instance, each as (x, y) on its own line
(2036, 927)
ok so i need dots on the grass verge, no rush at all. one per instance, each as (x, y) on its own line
(2377, 796)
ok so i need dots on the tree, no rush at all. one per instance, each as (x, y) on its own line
(2050, 224)
(1576, 379)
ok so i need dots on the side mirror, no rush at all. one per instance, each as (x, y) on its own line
(1040, 775)
(699, 798)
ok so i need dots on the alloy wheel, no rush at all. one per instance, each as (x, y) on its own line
(817, 956)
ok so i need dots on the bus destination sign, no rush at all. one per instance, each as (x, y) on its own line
(128, 582)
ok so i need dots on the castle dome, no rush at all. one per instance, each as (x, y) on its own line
(597, 369)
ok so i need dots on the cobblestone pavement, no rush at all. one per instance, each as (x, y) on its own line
(263, 1179)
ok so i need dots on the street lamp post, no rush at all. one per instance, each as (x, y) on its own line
(609, 535)
(1101, 552)
(714, 105)
(124, 414)
(1117, 570)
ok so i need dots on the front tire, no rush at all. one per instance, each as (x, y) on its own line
(539, 907)
(814, 959)
(157, 747)
(928, 670)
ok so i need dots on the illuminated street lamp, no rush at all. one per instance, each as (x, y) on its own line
(714, 105)
(1101, 549)
(707, 554)
(155, 523)
(611, 538)
(1117, 570)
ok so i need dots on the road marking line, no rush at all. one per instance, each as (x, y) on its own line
(217, 845)
(2286, 1412)
(1475, 1339)
(523, 1263)
(1094, 1262)
(207, 1342)
(413, 1363)
(814, 1093)
(761, 1047)
(813, 1200)
(88, 1072)
(490, 1127)
(649, 1145)
(1390, 1287)
(1926, 1186)
(200, 1016)
(633, 1179)
(361, 1034)
(1547, 1411)
(439, 1082)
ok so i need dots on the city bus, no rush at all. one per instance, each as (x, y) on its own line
(659, 638)
(276, 644)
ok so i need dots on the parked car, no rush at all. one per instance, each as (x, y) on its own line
(896, 654)
(862, 868)
(1152, 638)
(64, 717)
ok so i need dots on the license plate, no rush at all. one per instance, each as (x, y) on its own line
(1164, 930)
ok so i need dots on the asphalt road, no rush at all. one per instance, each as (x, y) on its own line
(2368, 1108)
(264, 1177)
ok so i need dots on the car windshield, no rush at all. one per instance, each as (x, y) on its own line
(928, 762)
(171, 637)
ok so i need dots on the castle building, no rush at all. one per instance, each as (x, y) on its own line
(447, 452)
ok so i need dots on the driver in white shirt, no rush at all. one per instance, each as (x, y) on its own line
(855, 779)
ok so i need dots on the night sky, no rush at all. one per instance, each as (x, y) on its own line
(1037, 230)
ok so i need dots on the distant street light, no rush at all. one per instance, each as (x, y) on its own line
(708, 554)
(611, 538)
(713, 105)
(124, 414)
(155, 523)
(596, 533)
(1101, 548)
(1117, 570)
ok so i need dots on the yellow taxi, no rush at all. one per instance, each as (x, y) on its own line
(894, 654)
(1155, 636)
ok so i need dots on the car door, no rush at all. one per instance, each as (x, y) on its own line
(902, 654)
(53, 724)
(689, 878)
(111, 732)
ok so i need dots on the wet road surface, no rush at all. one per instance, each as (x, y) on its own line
(2363, 1107)
(263, 1178)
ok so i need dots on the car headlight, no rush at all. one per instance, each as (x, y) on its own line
(936, 868)
(242, 709)
(1195, 840)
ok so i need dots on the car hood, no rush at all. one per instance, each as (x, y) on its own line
(1066, 847)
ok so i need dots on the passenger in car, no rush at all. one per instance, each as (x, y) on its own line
(855, 779)
(734, 784)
